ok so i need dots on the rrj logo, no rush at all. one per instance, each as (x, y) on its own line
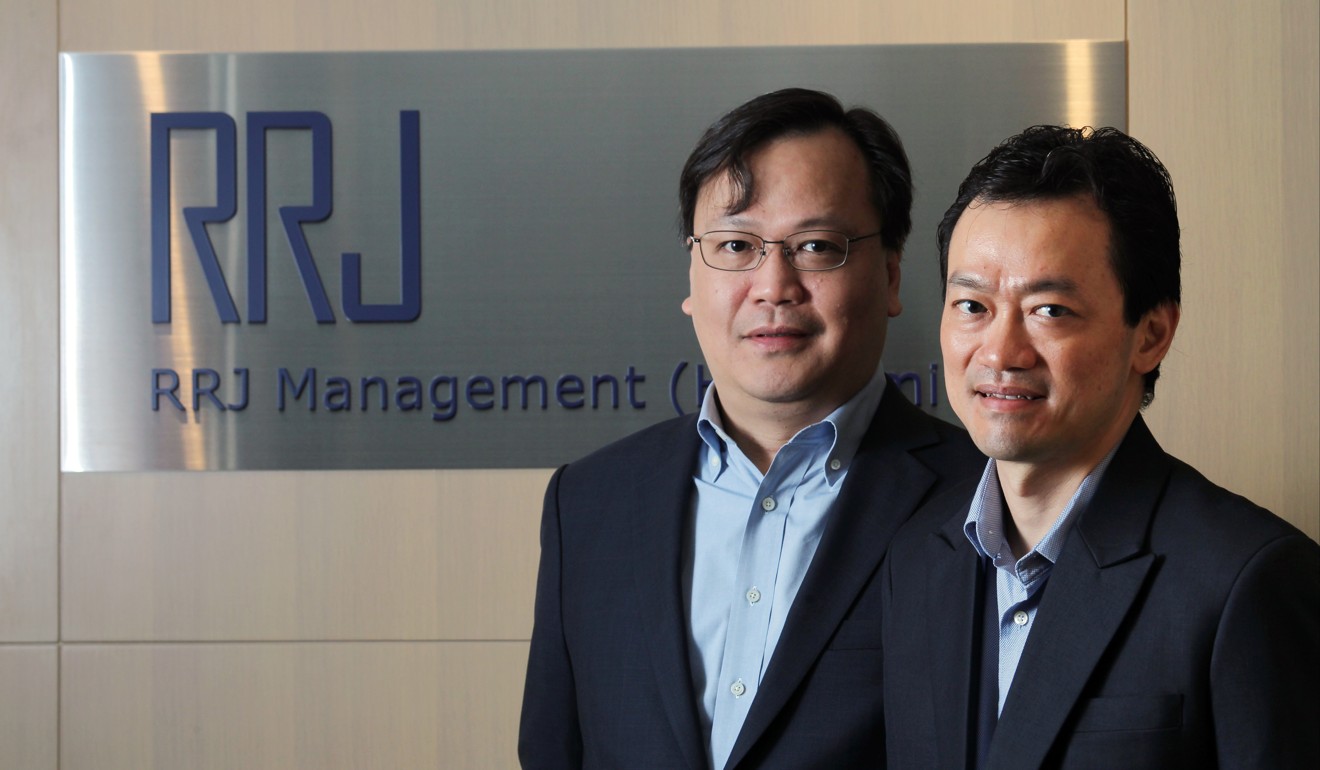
(293, 218)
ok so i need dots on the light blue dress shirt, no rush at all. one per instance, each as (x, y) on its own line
(751, 539)
(1018, 583)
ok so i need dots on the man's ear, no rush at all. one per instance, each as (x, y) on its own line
(1155, 335)
(892, 259)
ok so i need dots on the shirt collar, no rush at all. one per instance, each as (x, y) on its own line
(840, 431)
(984, 523)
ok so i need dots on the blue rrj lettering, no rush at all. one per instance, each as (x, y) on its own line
(409, 306)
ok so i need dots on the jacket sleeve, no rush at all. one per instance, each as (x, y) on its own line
(1265, 671)
(549, 735)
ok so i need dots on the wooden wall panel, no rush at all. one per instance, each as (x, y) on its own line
(29, 322)
(251, 25)
(329, 706)
(28, 730)
(1300, 199)
(351, 555)
(1226, 94)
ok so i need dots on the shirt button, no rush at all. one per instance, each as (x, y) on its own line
(835, 464)
(768, 504)
(1020, 617)
(753, 596)
(738, 688)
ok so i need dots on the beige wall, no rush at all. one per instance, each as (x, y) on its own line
(326, 620)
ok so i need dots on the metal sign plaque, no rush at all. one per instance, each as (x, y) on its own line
(450, 260)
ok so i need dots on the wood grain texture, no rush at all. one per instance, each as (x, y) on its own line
(332, 706)
(29, 322)
(27, 707)
(254, 25)
(296, 556)
(1226, 95)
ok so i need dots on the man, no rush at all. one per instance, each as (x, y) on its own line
(708, 592)
(1097, 603)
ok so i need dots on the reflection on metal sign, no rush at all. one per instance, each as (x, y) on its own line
(466, 259)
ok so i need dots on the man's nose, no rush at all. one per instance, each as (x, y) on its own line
(775, 280)
(1007, 344)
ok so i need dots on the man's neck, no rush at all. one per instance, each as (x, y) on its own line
(761, 439)
(761, 428)
(1036, 493)
(1034, 497)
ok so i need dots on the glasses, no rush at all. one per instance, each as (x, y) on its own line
(809, 250)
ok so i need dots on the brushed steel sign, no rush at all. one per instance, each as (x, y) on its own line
(449, 260)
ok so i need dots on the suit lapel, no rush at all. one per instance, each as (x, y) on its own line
(664, 498)
(1101, 571)
(884, 485)
(951, 600)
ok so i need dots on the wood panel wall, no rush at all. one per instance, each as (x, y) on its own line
(152, 621)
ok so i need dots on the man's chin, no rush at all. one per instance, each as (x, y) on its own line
(1008, 447)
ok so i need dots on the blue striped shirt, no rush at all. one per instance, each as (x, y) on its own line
(752, 538)
(1018, 583)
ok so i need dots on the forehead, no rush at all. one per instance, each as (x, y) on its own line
(1012, 246)
(822, 173)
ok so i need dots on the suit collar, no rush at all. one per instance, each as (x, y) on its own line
(1103, 567)
(1131, 486)
(884, 485)
(1126, 500)
(952, 591)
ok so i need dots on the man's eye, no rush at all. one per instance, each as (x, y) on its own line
(1053, 311)
(969, 306)
(735, 246)
(819, 246)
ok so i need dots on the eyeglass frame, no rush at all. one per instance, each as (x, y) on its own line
(765, 249)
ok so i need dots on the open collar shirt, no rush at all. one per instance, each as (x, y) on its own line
(752, 537)
(1019, 582)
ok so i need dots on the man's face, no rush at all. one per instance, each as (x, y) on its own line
(778, 340)
(1039, 363)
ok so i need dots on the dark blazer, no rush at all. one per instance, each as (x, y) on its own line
(1180, 628)
(608, 684)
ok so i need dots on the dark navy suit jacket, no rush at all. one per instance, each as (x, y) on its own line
(608, 684)
(1180, 628)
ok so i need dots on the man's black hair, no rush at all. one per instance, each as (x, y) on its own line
(729, 142)
(1120, 175)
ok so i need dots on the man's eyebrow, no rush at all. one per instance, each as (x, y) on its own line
(968, 282)
(741, 223)
(1059, 285)
(731, 222)
(820, 223)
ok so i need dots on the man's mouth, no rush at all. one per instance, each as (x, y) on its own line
(773, 332)
(1009, 395)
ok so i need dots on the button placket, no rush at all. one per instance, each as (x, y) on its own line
(749, 619)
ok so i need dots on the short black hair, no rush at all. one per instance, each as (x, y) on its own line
(1120, 175)
(727, 144)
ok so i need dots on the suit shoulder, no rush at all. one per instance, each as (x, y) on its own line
(956, 442)
(1204, 518)
(948, 448)
(936, 527)
(635, 452)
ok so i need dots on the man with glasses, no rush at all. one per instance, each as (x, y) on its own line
(708, 592)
